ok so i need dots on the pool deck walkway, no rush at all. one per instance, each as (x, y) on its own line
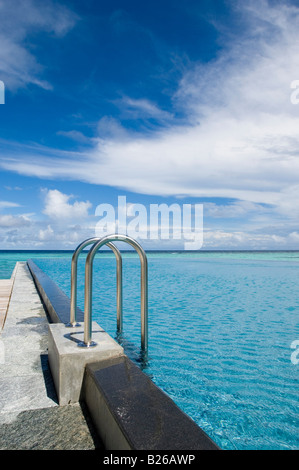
(30, 417)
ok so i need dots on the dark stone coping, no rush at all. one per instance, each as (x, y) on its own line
(56, 301)
(147, 418)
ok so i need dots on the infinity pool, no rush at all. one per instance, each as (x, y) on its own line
(220, 330)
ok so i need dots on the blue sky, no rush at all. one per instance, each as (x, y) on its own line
(162, 101)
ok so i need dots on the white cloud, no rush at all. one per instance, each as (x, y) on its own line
(46, 234)
(221, 239)
(21, 19)
(142, 108)
(8, 221)
(242, 140)
(13, 188)
(239, 210)
(74, 135)
(8, 204)
(66, 236)
(109, 128)
(57, 206)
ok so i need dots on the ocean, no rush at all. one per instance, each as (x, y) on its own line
(221, 325)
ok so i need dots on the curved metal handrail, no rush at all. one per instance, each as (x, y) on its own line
(74, 268)
(88, 287)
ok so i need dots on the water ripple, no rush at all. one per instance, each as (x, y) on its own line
(219, 340)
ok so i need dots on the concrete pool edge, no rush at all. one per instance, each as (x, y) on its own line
(129, 411)
(139, 415)
(54, 299)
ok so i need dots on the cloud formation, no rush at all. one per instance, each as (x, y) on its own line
(21, 20)
(58, 207)
(65, 223)
(241, 140)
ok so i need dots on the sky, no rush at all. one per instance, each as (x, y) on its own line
(161, 102)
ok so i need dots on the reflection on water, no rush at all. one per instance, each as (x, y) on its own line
(135, 353)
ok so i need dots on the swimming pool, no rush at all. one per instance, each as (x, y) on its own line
(220, 329)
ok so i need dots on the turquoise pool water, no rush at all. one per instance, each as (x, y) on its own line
(220, 330)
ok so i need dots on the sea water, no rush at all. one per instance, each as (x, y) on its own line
(220, 329)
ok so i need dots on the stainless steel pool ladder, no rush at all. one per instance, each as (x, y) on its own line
(74, 277)
(97, 244)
